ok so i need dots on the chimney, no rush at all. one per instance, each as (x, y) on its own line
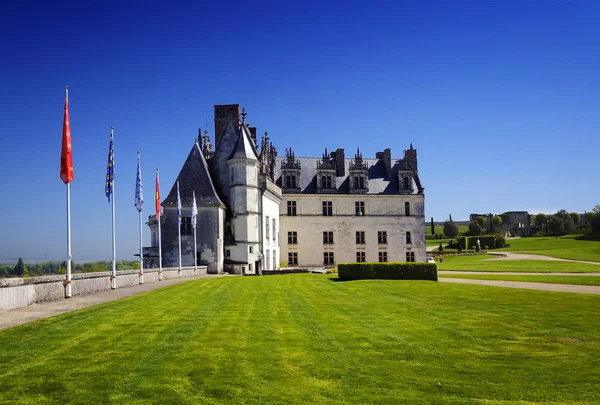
(410, 157)
(222, 112)
(386, 157)
(340, 162)
(253, 135)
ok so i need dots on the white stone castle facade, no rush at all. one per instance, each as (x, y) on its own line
(256, 210)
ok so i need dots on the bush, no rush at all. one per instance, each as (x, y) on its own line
(441, 248)
(450, 229)
(282, 264)
(388, 271)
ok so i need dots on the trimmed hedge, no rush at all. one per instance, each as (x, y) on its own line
(388, 271)
(492, 241)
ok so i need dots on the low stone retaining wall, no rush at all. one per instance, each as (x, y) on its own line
(21, 292)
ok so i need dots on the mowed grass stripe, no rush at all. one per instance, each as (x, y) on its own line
(481, 263)
(574, 279)
(308, 339)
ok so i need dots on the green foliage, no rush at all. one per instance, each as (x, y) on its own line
(450, 229)
(497, 221)
(441, 248)
(588, 217)
(432, 227)
(19, 269)
(495, 241)
(475, 228)
(389, 271)
(283, 264)
(597, 209)
(481, 220)
(540, 220)
(566, 247)
(575, 217)
(595, 222)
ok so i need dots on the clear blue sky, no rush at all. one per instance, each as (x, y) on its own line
(501, 99)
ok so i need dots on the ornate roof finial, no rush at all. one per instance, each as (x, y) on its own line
(243, 115)
(411, 146)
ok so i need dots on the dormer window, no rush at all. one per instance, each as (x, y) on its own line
(290, 172)
(405, 183)
(290, 181)
(359, 174)
(326, 182)
(359, 183)
(326, 172)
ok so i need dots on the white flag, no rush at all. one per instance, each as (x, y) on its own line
(194, 210)
(139, 197)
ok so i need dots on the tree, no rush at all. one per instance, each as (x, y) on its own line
(556, 225)
(475, 229)
(597, 209)
(450, 229)
(588, 217)
(496, 222)
(562, 214)
(540, 220)
(441, 248)
(575, 217)
(481, 221)
(595, 222)
(432, 227)
(19, 269)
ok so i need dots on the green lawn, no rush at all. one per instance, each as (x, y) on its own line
(579, 280)
(306, 339)
(566, 247)
(434, 242)
(480, 263)
(439, 229)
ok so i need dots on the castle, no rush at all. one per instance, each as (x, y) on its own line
(257, 209)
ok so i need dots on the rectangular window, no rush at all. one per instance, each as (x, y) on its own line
(360, 257)
(405, 183)
(408, 238)
(274, 260)
(381, 237)
(291, 208)
(327, 208)
(327, 237)
(382, 257)
(250, 249)
(359, 208)
(328, 258)
(228, 253)
(326, 182)
(407, 208)
(359, 182)
(232, 174)
(290, 181)
(268, 234)
(410, 256)
(274, 230)
(267, 259)
(292, 238)
(360, 237)
(293, 258)
(186, 225)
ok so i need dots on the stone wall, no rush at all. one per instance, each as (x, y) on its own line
(21, 292)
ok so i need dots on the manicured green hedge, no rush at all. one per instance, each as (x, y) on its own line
(389, 271)
(491, 241)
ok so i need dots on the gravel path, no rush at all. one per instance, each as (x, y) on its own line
(581, 289)
(526, 256)
(517, 273)
(19, 316)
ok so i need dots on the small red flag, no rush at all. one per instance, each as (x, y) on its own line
(66, 156)
(157, 197)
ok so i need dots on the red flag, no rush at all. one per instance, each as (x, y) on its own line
(157, 203)
(66, 156)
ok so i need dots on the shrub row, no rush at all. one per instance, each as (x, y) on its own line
(388, 271)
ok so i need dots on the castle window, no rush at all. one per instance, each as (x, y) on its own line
(410, 256)
(408, 237)
(327, 208)
(382, 257)
(405, 183)
(274, 230)
(268, 234)
(291, 208)
(407, 208)
(359, 183)
(360, 257)
(292, 238)
(290, 181)
(360, 237)
(232, 174)
(328, 258)
(359, 208)
(267, 259)
(293, 258)
(382, 237)
(250, 249)
(326, 182)
(186, 225)
(328, 238)
(228, 253)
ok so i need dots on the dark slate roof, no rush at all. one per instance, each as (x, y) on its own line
(194, 175)
(244, 147)
(379, 182)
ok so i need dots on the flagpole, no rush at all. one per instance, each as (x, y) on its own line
(68, 290)
(140, 220)
(195, 246)
(113, 274)
(179, 231)
(160, 276)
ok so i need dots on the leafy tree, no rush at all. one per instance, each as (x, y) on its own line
(597, 209)
(441, 248)
(450, 229)
(432, 227)
(481, 221)
(588, 217)
(496, 221)
(4, 271)
(569, 225)
(556, 225)
(595, 222)
(540, 220)
(19, 269)
(475, 229)
(562, 214)
(575, 217)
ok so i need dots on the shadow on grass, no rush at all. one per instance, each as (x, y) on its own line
(337, 280)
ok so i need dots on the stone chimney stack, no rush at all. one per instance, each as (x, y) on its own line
(222, 113)
(386, 157)
(410, 156)
(340, 162)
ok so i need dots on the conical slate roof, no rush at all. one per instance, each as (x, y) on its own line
(244, 147)
(194, 176)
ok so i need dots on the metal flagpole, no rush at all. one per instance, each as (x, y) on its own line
(195, 214)
(141, 253)
(139, 202)
(68, 293)
(113, 274)
(179, 226)
(158, 215)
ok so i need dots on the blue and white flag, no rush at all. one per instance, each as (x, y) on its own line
(194, 210)
(110, 168)
(139, 197)
(178, 206)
